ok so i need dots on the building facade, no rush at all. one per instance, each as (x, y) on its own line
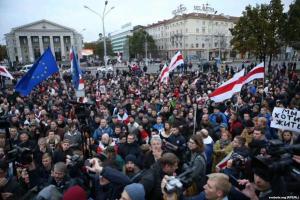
(119, 41)
(197, 35)
(27, 43)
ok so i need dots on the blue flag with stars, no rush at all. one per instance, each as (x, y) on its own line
(44, 67)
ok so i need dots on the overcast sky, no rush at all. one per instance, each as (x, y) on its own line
(71, 13)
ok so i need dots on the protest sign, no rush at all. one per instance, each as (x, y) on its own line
(286, 119)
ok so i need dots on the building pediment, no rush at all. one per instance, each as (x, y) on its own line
(42, 25)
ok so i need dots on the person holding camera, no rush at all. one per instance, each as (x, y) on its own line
(217, 187)
(108, 182)
(197, 162)
(166, 165)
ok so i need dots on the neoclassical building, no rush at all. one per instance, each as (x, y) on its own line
(197, 35)
(27, 43)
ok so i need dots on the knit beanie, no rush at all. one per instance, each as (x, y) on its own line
(131, 157)
(75, 193)
(135, 191)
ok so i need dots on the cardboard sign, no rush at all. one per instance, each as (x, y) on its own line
(286, 119)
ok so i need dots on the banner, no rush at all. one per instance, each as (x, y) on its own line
(286, 119)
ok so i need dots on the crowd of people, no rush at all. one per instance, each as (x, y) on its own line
(134, 138)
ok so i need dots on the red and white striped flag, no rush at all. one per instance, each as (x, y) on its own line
(257, 72)
(175, 61)
(227, 89)
(235, 84)
(164, 75)
(4, 72)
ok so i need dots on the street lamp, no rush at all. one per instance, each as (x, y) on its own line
(103, 26)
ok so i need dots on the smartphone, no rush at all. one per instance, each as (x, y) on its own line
(235, 183)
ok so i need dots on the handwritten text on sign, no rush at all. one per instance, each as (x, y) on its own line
(286, 119)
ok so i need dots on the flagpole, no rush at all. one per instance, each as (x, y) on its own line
(64, 82)
(262, 99)
(195, 118)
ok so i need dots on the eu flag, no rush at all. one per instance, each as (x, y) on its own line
(44, 67)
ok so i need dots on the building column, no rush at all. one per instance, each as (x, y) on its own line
(62, 47)
(72, 41)
(18, 46)
(52, 45)
(30, 50)
(41, 44)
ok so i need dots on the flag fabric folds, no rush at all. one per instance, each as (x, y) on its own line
(44, 67)
(164, 75)
(175, 61)
(77, 79)
(257, 72)
(227, 89)
(4, 72)
(235, 84)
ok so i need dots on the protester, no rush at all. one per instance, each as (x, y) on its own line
(141, 130)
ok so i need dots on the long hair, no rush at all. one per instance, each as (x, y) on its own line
(199, 142)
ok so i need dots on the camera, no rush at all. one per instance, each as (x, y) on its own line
(173, 185)
(238, 161)
(280, 161)
(176, 184)
(19, 154)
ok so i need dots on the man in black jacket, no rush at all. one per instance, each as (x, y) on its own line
(151, 181)
(108, 182)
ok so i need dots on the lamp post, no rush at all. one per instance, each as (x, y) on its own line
(103, 25)
(146, 50)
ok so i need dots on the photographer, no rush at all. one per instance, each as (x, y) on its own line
(197, 162)
(108, 182)
(151, 181)
(216, 188)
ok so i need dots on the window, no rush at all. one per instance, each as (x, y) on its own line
(56, 39)
(197, 45)
(203, 29)
(192, 45)
(216, 44)
(203, 45)
(46, 39)
(35, 39)
(197, 30)
(186, 30)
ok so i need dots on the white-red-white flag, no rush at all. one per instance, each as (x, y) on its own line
(176, 61)
(227, 89)
(235, 84)
(164, 74)
(4, 72)
(257, 72)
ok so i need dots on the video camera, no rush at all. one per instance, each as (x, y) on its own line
(176, 184)
(19, 154)
(280, 161)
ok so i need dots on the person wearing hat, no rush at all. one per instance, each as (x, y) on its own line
(134, 191)
(75, 193)
(132, 170)
(213, 118)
